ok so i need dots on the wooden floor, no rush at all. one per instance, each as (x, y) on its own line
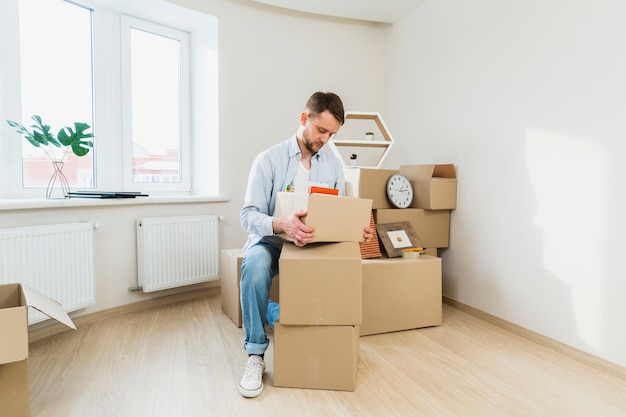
(186, 359)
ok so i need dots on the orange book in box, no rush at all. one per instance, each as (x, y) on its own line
(323, 190)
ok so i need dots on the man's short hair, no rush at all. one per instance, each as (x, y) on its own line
(320, 102)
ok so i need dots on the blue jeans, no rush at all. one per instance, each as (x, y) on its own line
(258, 268)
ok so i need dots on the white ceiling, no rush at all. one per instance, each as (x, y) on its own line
(385, 11)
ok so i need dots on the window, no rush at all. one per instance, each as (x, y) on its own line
(155, 79)
(56, 84)
(129, 78)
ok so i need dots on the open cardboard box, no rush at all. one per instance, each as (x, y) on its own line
(14, 302)
(434, 186)
(335, 218)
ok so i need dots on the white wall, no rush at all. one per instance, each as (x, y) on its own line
(527, 99)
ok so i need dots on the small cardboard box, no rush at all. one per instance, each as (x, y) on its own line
(317, 357)
(432, 227)
(230, 276)
(335, 218)
(434, 186)
(401, 294)
(14, 302)
(369, 183)
(320, 284)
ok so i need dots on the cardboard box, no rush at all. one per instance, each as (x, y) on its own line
(434, 186)
(401, 294)
(14, 389)
(14, 302)
(369, 183)
(320, 284)
(230, 277)
(318, 357)
(432, 227)
(335, 218)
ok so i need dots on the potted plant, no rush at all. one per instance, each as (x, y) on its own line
(369, 135)
(66, 139)
(353, 159)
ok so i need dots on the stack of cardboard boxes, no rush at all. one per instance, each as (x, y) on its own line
(320, 287)
(320, 314)
(400, 294)
(330, 294)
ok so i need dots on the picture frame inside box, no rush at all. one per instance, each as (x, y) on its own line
(395, 237)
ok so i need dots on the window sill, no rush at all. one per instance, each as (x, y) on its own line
(37, 203)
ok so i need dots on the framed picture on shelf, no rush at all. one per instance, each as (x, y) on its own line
(395, 237)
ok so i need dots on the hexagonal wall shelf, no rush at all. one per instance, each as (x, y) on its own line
(370, 150)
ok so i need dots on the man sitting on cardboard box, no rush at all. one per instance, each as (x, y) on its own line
(291, 165)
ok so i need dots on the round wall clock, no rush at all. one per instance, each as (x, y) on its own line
(399, 191)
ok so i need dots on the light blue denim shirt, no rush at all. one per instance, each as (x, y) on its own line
(271, 172)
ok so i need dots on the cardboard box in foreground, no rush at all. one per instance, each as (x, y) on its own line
(320, 284)
(318, 357)
(401, 294)
(14, 302)
(335, 218)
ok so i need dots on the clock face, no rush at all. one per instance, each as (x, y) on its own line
(399, 191)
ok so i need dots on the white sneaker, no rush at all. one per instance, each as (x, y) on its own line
(251, 384)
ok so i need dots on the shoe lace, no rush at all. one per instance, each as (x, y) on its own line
(254, 371)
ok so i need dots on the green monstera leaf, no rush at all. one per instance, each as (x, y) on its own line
(76, 139)
(40, 136)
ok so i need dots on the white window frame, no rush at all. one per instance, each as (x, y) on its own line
(127, 24)
(202, 153)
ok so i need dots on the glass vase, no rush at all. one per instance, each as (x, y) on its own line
(58, 187)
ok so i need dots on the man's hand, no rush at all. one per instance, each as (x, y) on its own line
(368, 234)
(292, 226)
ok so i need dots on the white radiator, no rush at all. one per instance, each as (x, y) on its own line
(56, 260)
(177, 251)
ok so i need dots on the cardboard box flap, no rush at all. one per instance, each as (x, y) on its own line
(335, 218)
(287, 203)
(324, 214)
(428, 171)
(444, 171)
(47, 306)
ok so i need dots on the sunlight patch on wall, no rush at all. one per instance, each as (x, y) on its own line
(568, 178)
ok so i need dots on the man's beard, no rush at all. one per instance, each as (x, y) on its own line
(308, 144)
